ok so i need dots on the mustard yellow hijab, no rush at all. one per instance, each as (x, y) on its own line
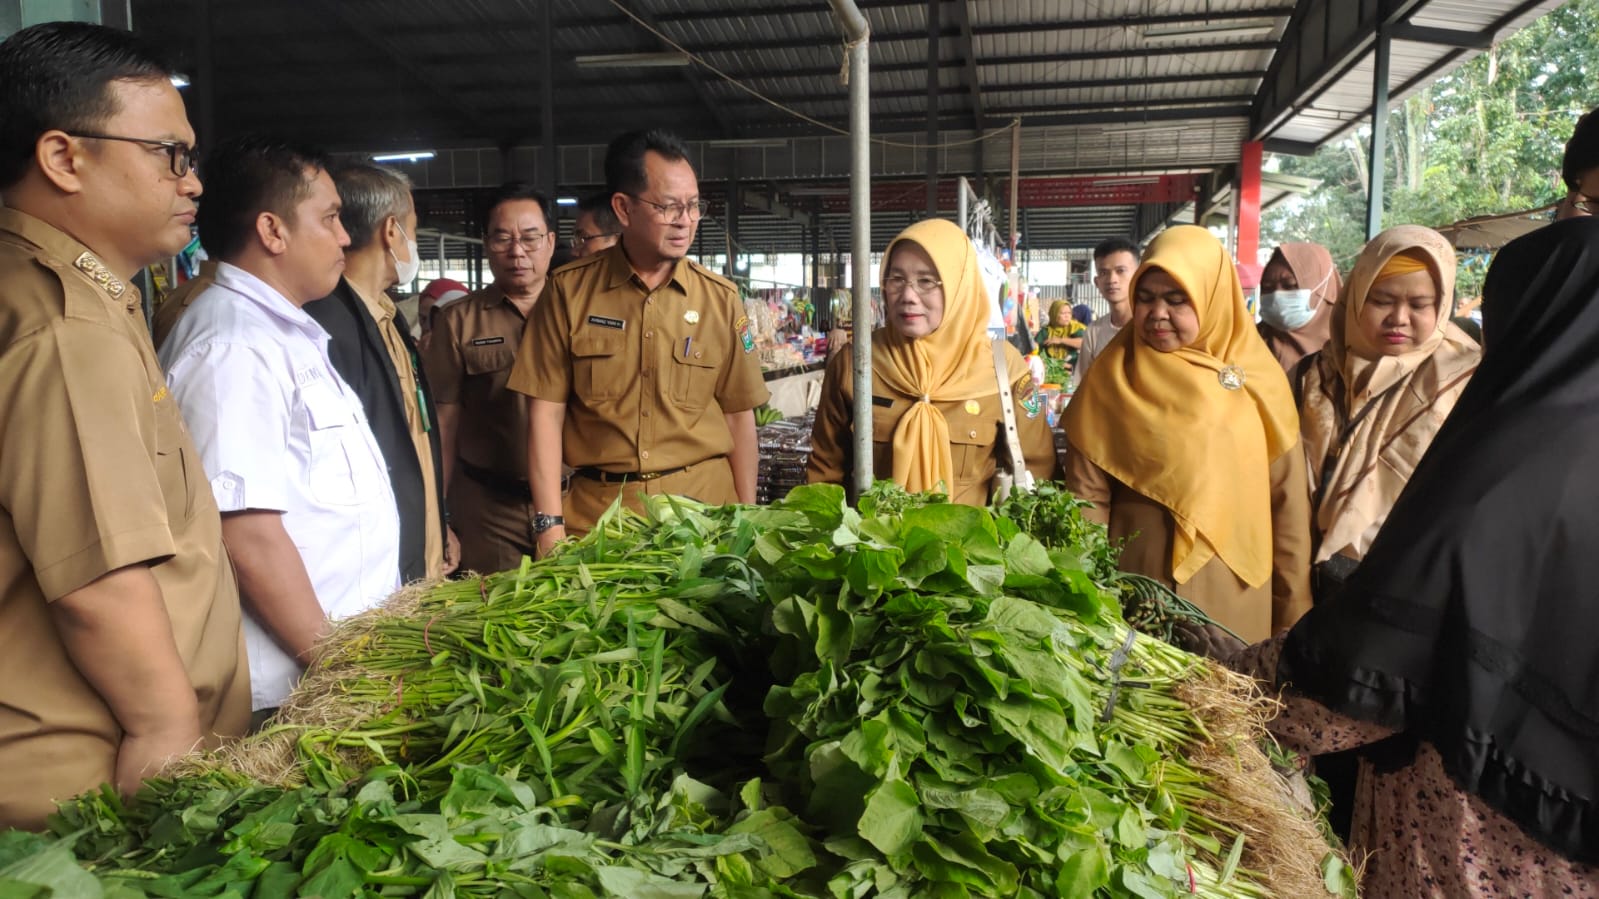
(1168, 426)
(953, 363)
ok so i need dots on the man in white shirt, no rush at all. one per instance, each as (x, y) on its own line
(308, 514)
(1115, 260)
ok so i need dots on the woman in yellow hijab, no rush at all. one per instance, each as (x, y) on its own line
(1184, 436)
(936, 417)
(1373, 399)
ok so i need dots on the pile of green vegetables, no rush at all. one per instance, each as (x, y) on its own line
(911, 699)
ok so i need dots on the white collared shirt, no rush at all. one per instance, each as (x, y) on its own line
(278, 429)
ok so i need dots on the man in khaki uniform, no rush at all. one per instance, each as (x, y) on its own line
(119, 616)
(482, 425)
(639, 361)
(177, 301)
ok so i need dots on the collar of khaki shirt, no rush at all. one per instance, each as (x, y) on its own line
(62, 246)
(620, 271)
(382, 308)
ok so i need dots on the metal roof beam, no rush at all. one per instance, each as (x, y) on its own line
(1444, 37)
(691, 74)
(449, 102)
(967, 51)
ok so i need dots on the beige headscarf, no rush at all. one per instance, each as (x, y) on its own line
(1314, 270)
(953, 363)
(1167, 426)
(1414, 393)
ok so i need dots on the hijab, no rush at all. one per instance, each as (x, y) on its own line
(1082, 314)
(953, 363)
(1359, 458)
(1313, 270)
(1169, 427)
(1053, 330)
(1467, 624)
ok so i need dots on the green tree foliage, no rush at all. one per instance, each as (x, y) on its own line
(1486, 138)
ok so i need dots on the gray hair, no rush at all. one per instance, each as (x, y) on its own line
(370, 194)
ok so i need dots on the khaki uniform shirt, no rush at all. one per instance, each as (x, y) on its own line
(975, 431)
(97, 472)
(178, 299)
(646, 375)
(383, 312)
(1253, 613)
(468, 363)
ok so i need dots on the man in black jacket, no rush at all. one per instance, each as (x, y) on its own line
(371, 348)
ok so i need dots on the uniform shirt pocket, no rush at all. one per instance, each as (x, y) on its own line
(482, 360)
(331, 478)
(595, 375)
(973, 438)
(172, 462)
(694, 371)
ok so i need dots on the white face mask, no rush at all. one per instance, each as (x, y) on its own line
(407, 271)
(1286, 310)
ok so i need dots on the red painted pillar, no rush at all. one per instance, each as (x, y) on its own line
(1248, 244)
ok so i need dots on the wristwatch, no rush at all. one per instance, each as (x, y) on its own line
(542, 522)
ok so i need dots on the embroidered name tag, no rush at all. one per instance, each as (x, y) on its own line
(882, 401)
(604, 322)
(488, 341)
(307, 376)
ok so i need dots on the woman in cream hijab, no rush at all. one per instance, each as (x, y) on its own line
(1375, 396)
(1184, 437)
(936, 417)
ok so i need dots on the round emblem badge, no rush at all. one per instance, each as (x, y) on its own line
(692, 317)
(973, 407)
(1231, 377)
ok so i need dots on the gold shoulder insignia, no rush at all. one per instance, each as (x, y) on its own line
(96, 270)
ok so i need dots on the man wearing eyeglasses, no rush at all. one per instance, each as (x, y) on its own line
(595, 228)
(119, 614)
(640, 362)
(482, 425)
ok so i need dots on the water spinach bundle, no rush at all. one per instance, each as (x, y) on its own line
(805, 699)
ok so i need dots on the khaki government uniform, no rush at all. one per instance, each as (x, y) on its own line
(177, 300)
(383, 311)
(468, 364)
(97, 472)
(976, 429)
(646, 376)
(1253, 613)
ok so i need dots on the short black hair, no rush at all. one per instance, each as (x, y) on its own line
(518, 190)
(57, 75)
(1115, 245)
(624, 158)
(1582, 151)
(246, 176)
(599, 206)
(368, 194)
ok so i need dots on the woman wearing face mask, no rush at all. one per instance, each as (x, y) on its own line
(1458, 657)
(937, 422)
(1184, 436)
(1298, 291)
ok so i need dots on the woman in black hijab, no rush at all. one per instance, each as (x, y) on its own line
(1460, 653)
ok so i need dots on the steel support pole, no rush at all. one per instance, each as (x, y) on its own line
(857, 36)
(549, 172)
(1015, 185)
(1379, 132)
(932, 107)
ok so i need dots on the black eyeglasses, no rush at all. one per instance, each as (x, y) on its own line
(179, 154)
(501, 243)
(674, 212)
(579, 240)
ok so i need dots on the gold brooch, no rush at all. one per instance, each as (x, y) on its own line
(1231, 377)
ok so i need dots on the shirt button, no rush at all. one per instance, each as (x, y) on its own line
(644, 455)
(971, 433)
(645, 374)
(649, 333)
(645, 413)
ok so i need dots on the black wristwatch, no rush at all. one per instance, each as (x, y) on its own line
(542, 522)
